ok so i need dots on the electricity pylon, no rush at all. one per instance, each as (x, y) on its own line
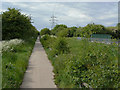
(53, 21)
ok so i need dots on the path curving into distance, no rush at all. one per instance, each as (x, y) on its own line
(39, 72)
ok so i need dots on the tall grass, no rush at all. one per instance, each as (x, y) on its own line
(14, 64)
(0, 70)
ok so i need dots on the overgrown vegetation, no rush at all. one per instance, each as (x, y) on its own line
(87, 64)
(15, 54)
(14, 64)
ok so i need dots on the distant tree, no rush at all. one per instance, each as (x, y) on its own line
(92, 28)
(61, 25)
(58, 28)
(86, 31)
(63, 33)
(45, 31)
(116, 34)
(78, 32)
(72, 31)
(118, 25)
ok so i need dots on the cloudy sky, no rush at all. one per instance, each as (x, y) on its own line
(69, 13)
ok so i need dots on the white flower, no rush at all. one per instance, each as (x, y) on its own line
(8, 44)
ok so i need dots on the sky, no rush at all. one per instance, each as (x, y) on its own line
(68, 13)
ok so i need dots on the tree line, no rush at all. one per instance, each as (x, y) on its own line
(64, 31)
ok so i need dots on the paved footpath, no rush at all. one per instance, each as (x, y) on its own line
(39, 72)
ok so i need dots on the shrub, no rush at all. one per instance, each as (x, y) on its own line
(87, 65)
(60, 46)
(47, 41)
(96, 65)
(63, 33)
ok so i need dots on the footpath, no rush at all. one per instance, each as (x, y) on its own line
(39, 72)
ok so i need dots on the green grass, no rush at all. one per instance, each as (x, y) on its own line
(0, 71)
(93, 63)
(14, 64)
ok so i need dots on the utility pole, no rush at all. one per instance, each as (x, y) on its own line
(53, 21)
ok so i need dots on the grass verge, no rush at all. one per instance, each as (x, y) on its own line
(88, 64)
(14, 64)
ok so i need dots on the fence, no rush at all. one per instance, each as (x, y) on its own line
(100, 40)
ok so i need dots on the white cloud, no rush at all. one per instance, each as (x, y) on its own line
(108, 16)
(2, 10)
(110, 23)
(68, 13)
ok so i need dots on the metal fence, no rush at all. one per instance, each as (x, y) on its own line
(100, 40)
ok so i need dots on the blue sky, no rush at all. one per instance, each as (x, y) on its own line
(69, 13)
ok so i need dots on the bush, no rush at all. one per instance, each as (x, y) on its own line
(95, 66)
(63, 33)
(60, 46)
(47, 41)
(86, 65)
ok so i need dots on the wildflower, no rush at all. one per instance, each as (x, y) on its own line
(6, 45)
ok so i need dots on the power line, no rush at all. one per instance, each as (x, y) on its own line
(53, 21)
(53, 18)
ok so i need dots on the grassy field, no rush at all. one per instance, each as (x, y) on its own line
(0, 70)
(88, 64)
(14, 64)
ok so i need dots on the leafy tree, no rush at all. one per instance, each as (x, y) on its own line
(45, 31)
(114, 31)
(16, 25)
(78, 32)
(63, 33)
(72, 31)
(86, 31)
(58, 28)
(117, 31)
(61, 25)
(92, 28)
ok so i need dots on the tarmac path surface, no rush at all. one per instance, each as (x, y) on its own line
(39, 72)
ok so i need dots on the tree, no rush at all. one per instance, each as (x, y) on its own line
(16, 25)
(61, 25)
(58, 28)
(86, 31)
(78, 32)
(45, 31)
(72, 31)
(92, 28)
(63, 33)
